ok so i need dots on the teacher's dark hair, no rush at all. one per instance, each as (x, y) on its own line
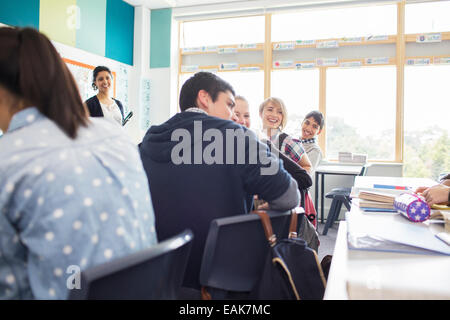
(32, 70)
(97, 70)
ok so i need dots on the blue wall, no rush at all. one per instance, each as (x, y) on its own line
(160, 25)
(23, 13)
(107, 29)
(119, 31)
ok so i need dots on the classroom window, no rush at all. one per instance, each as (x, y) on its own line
(335, 23)
(299, 90)
(251, 86)
(427, 110)
(427, 17)
(361, 112)
(222, 31)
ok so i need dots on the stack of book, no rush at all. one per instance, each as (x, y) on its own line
(375, 201)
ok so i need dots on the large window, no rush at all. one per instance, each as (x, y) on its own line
(251, 86)
(222, 31)
(427, 17)
(427, 111)
(361, 112)
(299, 90)
(335, 23)
(356, 78)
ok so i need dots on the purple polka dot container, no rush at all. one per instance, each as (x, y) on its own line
(412, 206)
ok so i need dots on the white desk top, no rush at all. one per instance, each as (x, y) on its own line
(340, 169)
(358, 274)
(368, 181)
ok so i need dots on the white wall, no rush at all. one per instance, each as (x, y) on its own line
(163, 81)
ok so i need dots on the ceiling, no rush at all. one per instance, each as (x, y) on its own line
(159, 4)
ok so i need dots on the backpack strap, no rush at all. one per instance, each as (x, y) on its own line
(281, 139)
(294, 222)
(267, 225)
(293, 225)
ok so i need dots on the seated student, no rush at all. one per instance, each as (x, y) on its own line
(438, 194)
(242, 112)
(312, 126)
(274, 118)
(73, 192)
(194, 171)
(303, 179)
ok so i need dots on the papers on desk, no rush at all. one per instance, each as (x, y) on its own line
(356, 191)
(395, 233)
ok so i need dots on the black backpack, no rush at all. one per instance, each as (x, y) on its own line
(299, 174)
(292, 270)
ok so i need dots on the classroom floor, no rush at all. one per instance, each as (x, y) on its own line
(327, 242)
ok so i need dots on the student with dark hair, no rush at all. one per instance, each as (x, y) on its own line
(312, 126)
(73, 192)
(194, 171)
(103, 104)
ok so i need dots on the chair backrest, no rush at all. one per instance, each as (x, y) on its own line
(154, 273)
(236, 249)
(364, 169)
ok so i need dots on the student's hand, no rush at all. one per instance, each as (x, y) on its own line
(264, 206)
(437, 194)
(421, 189)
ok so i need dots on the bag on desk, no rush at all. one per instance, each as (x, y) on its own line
(292, 270)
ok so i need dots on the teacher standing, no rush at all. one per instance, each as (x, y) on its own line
(102, 104)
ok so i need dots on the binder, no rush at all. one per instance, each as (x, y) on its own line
(391, 233)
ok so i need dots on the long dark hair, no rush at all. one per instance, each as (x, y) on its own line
(32, 69)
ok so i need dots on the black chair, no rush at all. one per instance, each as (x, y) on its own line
(151, 274)
(340, 196)
(235, 252)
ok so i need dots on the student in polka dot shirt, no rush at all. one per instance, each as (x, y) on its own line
(73, 192)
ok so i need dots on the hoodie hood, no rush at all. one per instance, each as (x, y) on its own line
(157, 143)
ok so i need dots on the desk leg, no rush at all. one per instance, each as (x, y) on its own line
(316, 191)
(321, 196)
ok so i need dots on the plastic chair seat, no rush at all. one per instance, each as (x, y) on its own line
(151, 274)
(338, 191)
(340, 196)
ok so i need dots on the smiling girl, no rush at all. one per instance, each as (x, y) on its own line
(274, 118)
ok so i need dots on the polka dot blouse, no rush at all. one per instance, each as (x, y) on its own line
(67, 204)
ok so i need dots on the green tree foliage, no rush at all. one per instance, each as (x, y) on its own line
(426, 154)
(345, 137)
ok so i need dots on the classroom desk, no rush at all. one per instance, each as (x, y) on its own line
(322, 170)
(358, 274)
